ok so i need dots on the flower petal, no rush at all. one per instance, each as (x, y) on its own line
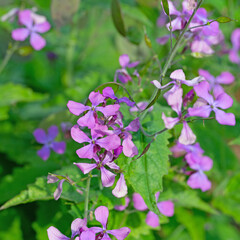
(123, 207)
(87, 235)
(166, 208)
(224, 101)
(37, 41)
(77, 108)
(121, 233)
(58, 191)
(199, 180)
(86, 167)
(129, 148)
(42, 27)
(108, 92)
(40, 135)
(96, 98)
(120, 189)
(109, 110)
(225, 118)
(152, 219)
(77, 225)
(44, 153)
(101, 215)
(88, 120)
(203, 111)
(25, 18)
(169, 122)
(133, 125)
(138, 202)
(52, 133)
(124, 60)
(107, 177)
(178, 75)
(187, 136)
(225, 78)
(20, 34)
(127, 101)
(86, 151)
(110, 142)
(59, 147)
(174, 99)
(202, 90)
(55, 234)
(133, 64)
(206, 75)
(78, 135)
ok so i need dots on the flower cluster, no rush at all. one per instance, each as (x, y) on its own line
(31, 25)
(80, 231)
(193, 155)
(108, 137)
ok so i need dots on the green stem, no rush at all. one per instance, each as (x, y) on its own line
(87, 196)
(8, 55)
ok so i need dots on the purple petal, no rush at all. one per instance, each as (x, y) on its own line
(108, 92)
(107, 177)
(124, 60)
(96, 229)
(52, 133)
(157, 84)
(78, 135)
(176, 24)
(86, 151)
(225, 78)
(141, 106)
(87, 235)
(20, 34)
(233, 56)
(133, 64)
(86, 167)
(201, 47)
(192, 82)
(40, 136)
(169, 122)
(206, 75)
(203, 111)
(163, 40)
(175, 100)
(77, 225)
(77, 108)
(223, 101)
(58, 191)
(138, 202)
(120, 189)
(206, 163)
(166, 208)
(88, 120)
(99, 131)
(225, 118)
(121, 233)
(110, 142)
(109, 110)
(123, 207)
(108, 158)
(96, 98)
(127, 101)
(199, 180)
(55, 234)
(44, 153)
(59, 147)
(152, 219)
(187, 136)
(37, 41)
(101, 215)
(42, 27)
(25, 18)
(178, 75)
(133, 126)
(235, 38)
(52, 179)
(129, 148)
(202, 90)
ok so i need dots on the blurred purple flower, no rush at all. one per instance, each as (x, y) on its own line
(234, 52)
(32, 29)
(48, 141)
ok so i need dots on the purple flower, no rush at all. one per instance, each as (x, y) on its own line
(109, 93)
(120, 189)
(78, 226)
(101, 215)
(109, 143)
(122, 74)
(107, 177)
(175, 101)
(89, 119)
(200, 164)
(32, 29)
(123, 207)
(48, 142)
(140, 106)
(210, 103)
(165, 207)
(233, 54)
(223, 78)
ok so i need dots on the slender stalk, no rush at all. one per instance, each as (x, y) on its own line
(87, 196)
(8, 56)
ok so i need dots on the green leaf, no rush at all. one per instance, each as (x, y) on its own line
(165, 6)
(223, 19)
(13, 93)
(41, 190)
(117, 17)
(135, 35)
(145, 174)
(236, 141)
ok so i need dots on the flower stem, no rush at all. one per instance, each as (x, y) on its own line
(87, 196)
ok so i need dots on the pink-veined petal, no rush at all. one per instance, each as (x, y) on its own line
(225, 118)
(20, 34)
(101, 215)
(77, 225)
(44, 153)
(86, 151)
(96, 229)
(166, 208)
(107, 177)
(175, 100)
(129, 148)
(110, 142)
(96, 98)
(178, 75)
(40, 135)
(187, 136)
(152, 219)
(37, 41)
(78, 135)
(223, 101)
(88, 120)
(120, 189)
(133, 125)
(120, 234)
(87, 235)
(202, 90)
(86, 167)
(42, 27)
(203, 111)
(108, 92)
(59, 147)
(169, 122)
(77, 108)
(55, 234)
(58, 191)
(109, 110)
(138, 202)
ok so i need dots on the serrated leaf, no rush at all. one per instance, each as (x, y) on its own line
(117, 17)
(223, 19)
(146, 173)
(165, 6)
